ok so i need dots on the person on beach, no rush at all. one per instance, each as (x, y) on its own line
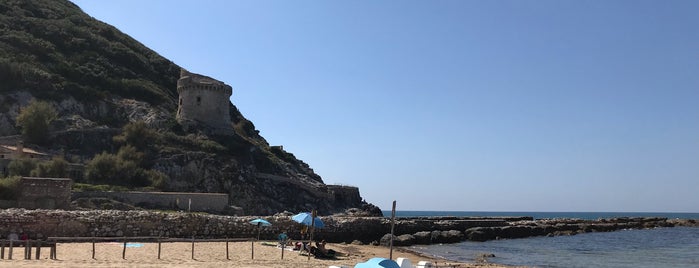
(12, 236)
(322, 249)
(284, 239)
(304, 229)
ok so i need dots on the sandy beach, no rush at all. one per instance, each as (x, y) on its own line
(208, 254)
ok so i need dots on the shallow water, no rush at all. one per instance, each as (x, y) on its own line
(661, 247)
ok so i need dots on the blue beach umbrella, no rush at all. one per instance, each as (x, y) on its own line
(377, 263)
(305, 219)
(260, 222)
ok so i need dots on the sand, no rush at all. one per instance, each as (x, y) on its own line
(208, 254)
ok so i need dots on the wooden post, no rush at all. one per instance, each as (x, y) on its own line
(310, 237)
(2, 250)
(53, 254)
(27, 250)
(38, 249)
(283, 246)
(192, 245)
(227, 257)
(9, 256)
(123, 252)
(159, 242)
(393, 223)
(252, 249)
(93, 247)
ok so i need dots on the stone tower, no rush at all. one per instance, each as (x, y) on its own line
(204, 103)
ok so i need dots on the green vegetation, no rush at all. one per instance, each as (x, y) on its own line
(21, 167)
(86, 187)
(9, 188)
(52, 48)
(35, 120)
(130, 166)
(137, 134)
(55, 168)
(121, 169)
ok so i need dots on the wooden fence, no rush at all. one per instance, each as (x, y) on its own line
(146, 239)
(27, 245)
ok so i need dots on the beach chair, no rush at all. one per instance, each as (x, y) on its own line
(404, 263)
(425, 264)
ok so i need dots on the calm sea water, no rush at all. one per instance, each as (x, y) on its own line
(544, 215)
(660, 247)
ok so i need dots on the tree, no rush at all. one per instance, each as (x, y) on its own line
(56, 168)
(35, 120)
(124, 168)
(136, 134)
(102, 169)
(21, 167)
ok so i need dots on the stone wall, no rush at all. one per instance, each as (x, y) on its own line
(112, 223)
(47, 193)
(108, 223)
(203, 202)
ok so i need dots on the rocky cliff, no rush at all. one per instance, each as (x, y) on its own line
(99, 79)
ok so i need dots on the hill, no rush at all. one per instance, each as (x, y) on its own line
(105, 86)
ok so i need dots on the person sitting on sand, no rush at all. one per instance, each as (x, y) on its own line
(323, 251)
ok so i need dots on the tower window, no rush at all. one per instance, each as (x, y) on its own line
(180, 101)
(198, 100)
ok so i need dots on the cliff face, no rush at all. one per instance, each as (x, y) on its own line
(99, 79)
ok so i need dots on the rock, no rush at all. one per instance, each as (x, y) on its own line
(404, 240)
(451, 236)
(423, 238)
(480, 234)
(386, 239)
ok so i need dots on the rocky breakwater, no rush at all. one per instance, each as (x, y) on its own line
(555, 227)
(513, 228)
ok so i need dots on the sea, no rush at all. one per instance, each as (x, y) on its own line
(659, 247)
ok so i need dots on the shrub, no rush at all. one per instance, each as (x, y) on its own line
(102, 169)
(35, 120)
(21, 167)
(56, 168)
(123, 169)
(9, 188)
(137, 134)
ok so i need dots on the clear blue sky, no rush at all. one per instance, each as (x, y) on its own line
(457, 105)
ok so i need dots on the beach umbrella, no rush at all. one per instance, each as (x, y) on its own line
(377, 263)
(305, 218)
(260, 222)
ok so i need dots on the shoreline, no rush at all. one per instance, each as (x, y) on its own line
(213, 254)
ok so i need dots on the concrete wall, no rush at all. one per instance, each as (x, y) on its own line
(206, 202)
(47, 193)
